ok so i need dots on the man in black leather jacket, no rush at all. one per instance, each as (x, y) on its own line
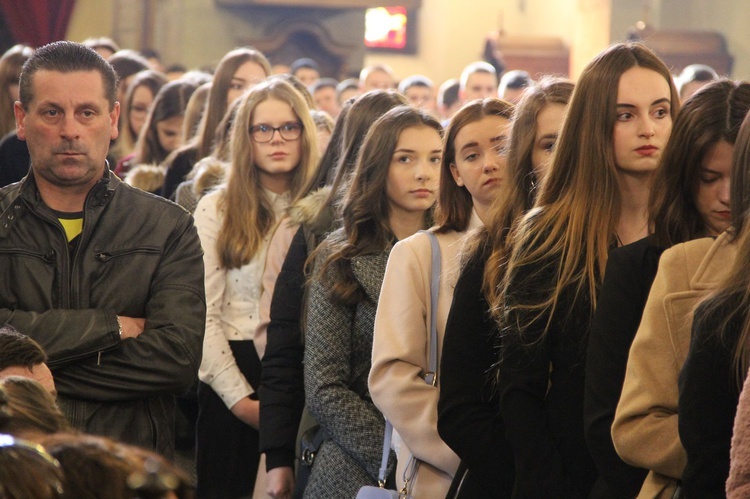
(107, 278)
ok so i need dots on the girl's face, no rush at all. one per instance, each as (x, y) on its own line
(643, 120)
(247, 75)
(414, 172)
(139, 108)
(276, 157)
(548, 125)
(169, 132)
(481, 161)
(712, 193)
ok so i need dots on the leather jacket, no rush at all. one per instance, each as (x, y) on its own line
(138, 255)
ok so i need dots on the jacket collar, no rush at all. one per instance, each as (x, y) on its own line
(369, 271)
(99, 194)
(715, 264)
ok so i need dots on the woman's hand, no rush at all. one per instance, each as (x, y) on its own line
(280, 482)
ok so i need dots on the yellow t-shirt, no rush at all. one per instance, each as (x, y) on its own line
(72, 223)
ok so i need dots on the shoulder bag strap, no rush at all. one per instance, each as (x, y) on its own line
(431, 376)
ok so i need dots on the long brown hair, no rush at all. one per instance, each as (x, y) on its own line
(217, 104)
(10, 71)
(153, 80)
(249, 215)
(364, 112)
(711, 115)
(565, 230)
(454, 205)
(730, 302)
(521, 190)
(170, 102)
(366, 211)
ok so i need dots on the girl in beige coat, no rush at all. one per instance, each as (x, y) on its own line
(645, 428)
(473, 172)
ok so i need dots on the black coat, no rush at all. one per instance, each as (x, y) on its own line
(630, 272)
(282, 390)
(468, 412)
(14, 159)
(177, 169)
(541, 378)
(709, 394)
(149, 266)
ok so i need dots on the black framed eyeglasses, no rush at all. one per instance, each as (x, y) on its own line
(264, 133)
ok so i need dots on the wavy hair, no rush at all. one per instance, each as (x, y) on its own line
(366, 211)
(249, 214)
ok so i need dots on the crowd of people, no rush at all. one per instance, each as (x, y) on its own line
(530, 287)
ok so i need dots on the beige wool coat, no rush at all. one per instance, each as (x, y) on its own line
(400, 357)
(645, 431)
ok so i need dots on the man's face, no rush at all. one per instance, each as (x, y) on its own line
(479, 85)
(68, 126)
(307, 76)
(421, 97)
(325, 100)
(377, 80)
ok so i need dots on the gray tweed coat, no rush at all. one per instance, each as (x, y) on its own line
(338, 349)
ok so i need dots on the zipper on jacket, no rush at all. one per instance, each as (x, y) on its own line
(48, 257)
(105, 256)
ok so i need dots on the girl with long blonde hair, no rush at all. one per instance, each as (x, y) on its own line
(274, 152)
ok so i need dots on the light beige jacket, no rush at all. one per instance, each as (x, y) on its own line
(400, 357)
(645, 426)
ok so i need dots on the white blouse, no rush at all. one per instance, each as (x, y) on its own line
(232, 300)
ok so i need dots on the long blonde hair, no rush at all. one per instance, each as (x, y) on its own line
(572, 226)
(249, 215)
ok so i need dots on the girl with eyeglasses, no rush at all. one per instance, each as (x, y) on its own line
(274, 152)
